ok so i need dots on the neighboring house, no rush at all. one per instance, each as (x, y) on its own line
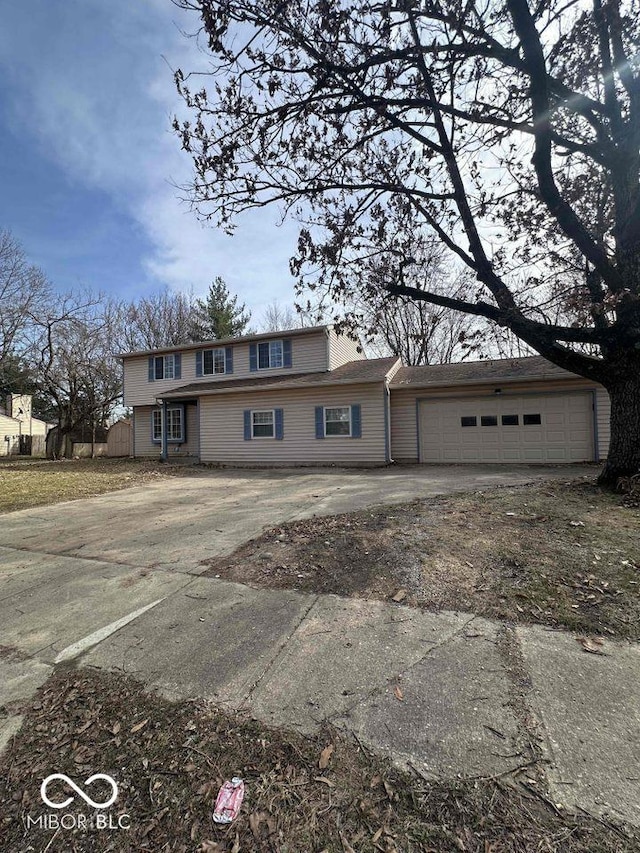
(20, 432)
(309, 396)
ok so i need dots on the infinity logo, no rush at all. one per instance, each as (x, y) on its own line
(72, 784)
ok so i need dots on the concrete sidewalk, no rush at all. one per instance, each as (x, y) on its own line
(444, 692)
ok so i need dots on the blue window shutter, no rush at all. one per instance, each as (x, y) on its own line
(228, 360)
(286, 352)
(152, 368)
(279, 424)
(253, 357)
(247, 424)
(177, 366)
(356, 421)
(319, 422)
(199, 363)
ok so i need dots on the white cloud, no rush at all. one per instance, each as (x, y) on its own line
(89, 81)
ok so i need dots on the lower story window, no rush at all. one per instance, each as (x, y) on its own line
(337, 421)
(175, 424)
(262, 424)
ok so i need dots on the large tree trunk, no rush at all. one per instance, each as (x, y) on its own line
(624, 448)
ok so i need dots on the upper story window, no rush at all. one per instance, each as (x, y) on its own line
(214, 361)
(165, 367)
(270, 354)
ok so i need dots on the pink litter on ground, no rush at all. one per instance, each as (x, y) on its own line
(228, 801)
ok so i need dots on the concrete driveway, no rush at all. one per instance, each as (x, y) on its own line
(74, 568)
(113, 581)
(177, 523)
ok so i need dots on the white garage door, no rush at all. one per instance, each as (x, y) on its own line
(528, 428)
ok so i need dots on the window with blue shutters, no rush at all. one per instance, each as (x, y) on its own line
(214, 361)
(165, 367)
(338, 421)
(270, 355)
(263, 423)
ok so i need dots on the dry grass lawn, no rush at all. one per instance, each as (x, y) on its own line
(26, 483)
(561, 554)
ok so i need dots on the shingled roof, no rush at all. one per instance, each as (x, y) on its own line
(352, 373)
(497, 370)
(221, 342)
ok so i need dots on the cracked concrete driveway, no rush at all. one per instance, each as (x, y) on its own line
(114, 581)
(177, 523)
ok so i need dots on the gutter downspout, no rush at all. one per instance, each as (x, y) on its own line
(387, 422)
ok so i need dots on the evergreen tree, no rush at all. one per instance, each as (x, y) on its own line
(219, 315)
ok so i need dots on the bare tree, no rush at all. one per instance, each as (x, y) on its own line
(277, 318)
(163, 319)
(508, 129)
(74, 355)
(417, 331)
(23, 287)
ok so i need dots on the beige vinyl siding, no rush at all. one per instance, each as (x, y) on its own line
(9, 427)
(404, 437)
(603, 416)
(144, 446)
(342, 349)
(38, 427)
(222, 427)
(404, 441)
(309, 353)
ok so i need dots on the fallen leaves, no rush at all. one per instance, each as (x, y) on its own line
(168, 778)
(138, 726)
(400, 595)
(397, 692)
(210, 847)
(262, 825)
(592, 645)
(325, 756)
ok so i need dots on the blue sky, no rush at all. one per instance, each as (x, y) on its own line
(88, 161)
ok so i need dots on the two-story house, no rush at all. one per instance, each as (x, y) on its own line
(310, 396)
(302, 396)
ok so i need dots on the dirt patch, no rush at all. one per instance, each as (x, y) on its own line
(26, 483)
(168, 761)
(561, 554)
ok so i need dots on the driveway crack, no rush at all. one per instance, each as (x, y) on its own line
(378, 689)
(278, 654)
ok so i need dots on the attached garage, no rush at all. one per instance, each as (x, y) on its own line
(556, 427)
(523, 410)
